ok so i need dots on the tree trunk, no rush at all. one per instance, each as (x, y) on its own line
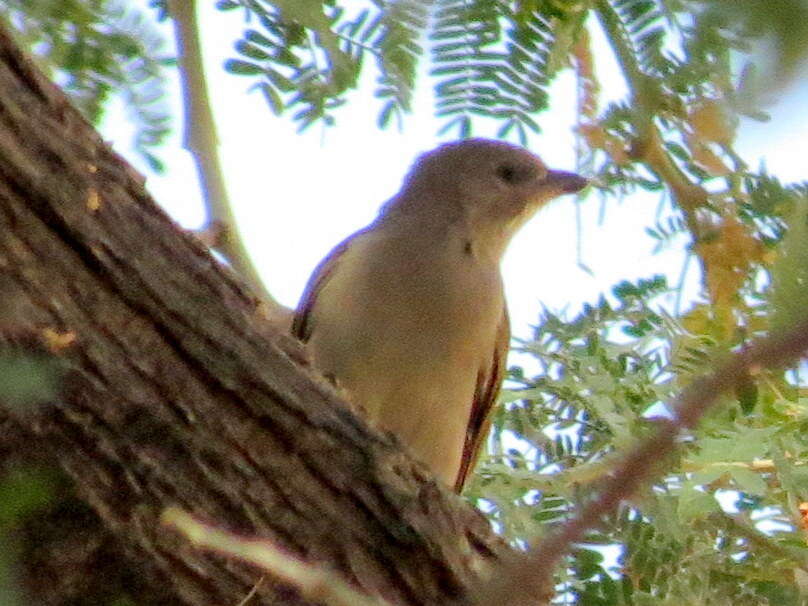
(175, 391)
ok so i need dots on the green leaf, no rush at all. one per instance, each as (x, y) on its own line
(695, 504)
(748, 480)
(28, 379)
(23, 491)
(243, 68)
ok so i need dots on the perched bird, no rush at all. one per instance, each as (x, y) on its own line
(408, 314)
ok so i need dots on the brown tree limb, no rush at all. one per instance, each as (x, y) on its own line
(175, 392)
(202, 142)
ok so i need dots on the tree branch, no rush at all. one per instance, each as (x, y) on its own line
(202, 141)
(648, 146)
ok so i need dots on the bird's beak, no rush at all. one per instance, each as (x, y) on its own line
(565, 182)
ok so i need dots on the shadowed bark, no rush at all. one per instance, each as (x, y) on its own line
(175, 391)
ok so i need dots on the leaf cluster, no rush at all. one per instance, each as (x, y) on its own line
(488, 59)
(97, 50)
(722, 526)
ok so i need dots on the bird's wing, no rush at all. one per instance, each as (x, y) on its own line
(302, 322)
(489, 380)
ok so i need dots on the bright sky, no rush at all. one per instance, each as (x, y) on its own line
(297, 195)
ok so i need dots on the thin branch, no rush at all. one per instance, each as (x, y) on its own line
(648, 146)
(315, 582)
(201, 140)
(533, 573)
(251, 594)
(760, 541)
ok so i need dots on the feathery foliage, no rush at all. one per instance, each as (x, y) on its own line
(721, 526)
(97, 50)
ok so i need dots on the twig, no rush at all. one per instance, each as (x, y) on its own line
(201, 140)
(760, 541)
(314, 582)
(252, 591)
(648, 146)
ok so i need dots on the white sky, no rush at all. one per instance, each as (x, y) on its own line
(297, 195)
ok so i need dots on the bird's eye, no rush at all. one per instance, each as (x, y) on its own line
(506, 173)
(513, 174)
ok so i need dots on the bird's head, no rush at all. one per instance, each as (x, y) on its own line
(492, 186)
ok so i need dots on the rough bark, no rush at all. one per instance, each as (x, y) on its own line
(175, 392)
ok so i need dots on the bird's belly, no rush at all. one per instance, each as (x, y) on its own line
(419, 389)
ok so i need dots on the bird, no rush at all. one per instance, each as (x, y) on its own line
(408, 314)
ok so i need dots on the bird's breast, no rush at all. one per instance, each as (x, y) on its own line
(405, 328)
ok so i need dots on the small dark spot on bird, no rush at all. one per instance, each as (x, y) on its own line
(506, 173)
(513, 174)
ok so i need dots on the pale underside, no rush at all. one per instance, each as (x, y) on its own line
(405, 339)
